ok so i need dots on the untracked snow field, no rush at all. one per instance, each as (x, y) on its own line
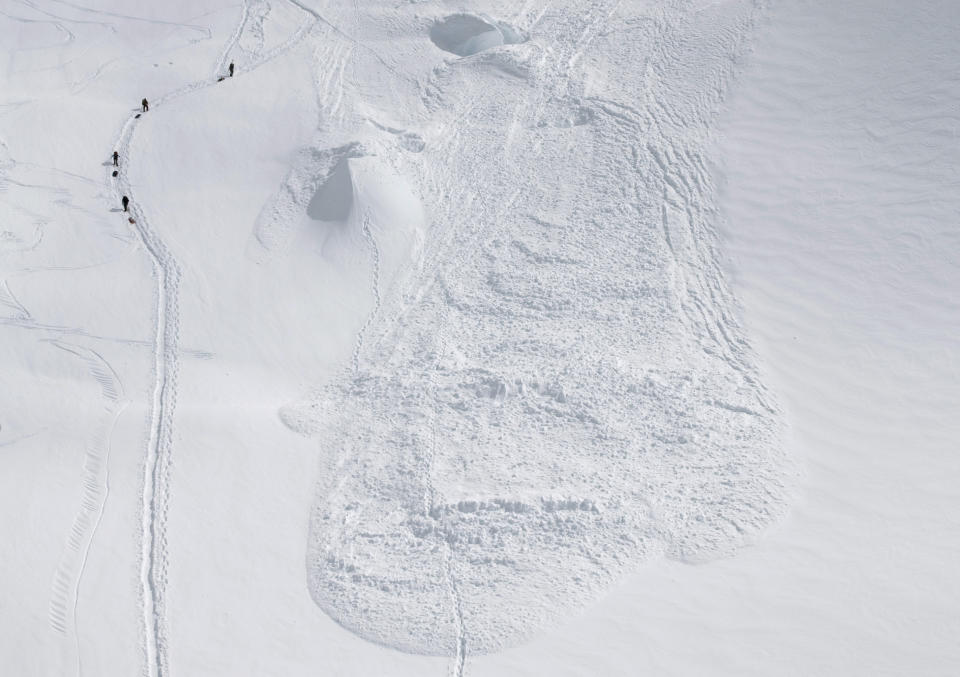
(488, 338)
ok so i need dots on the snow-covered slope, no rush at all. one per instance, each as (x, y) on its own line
(419, 338)
(837, 163)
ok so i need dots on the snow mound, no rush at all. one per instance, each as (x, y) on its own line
(374, 219)
(347, 206)
(466, 34)
(317, 186)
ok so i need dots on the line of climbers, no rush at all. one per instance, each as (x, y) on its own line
(145, 106)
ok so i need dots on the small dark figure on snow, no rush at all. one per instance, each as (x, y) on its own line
(146, 106)
(125, 201)
(116, 159)
(231, 69)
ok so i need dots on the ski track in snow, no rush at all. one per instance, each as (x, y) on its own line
(156, 489)
(96, 488)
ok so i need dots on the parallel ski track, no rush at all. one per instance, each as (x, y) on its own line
(155, 493)
(96, 489)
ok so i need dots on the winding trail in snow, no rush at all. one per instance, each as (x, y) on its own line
(156, 483)
(155, 492)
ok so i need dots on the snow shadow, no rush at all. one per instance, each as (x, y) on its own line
(465, 34)
(334, 198)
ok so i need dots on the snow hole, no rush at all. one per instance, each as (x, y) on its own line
(465, 34)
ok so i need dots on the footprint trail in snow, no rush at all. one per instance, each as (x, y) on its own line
(156, 486)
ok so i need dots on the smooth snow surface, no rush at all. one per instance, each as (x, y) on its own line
(427, 344)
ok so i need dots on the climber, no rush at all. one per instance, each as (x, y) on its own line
(125, 201)
(116, 159)
(231, 69)
(146, 106)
